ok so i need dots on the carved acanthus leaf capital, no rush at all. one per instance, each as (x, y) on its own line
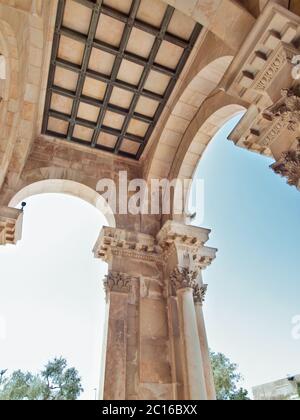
(287, 109)
(117, 282)
(183, 278)
(288, 166)
(200, 293)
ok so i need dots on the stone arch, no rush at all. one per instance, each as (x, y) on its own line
(68, 187)
(26, 41)
(201, 87)
(10, 95)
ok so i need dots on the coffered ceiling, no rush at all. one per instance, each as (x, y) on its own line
(113, 68)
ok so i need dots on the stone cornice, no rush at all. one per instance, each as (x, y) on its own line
(185, 241)
(188, 243)
(10, 225)
(114, 241)
(259, 72)
(188, 235)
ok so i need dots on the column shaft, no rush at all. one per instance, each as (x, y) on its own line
(208, 374)
(194, 382)
(116, 347)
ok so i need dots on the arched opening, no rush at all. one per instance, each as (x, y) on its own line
(193, 147)
(51, 295)
(255, 225)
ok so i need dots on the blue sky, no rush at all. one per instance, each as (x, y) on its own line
(52, 302)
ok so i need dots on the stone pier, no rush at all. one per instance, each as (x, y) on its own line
(154, 350)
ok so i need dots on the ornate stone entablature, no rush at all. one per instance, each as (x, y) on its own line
(279, 60)
(10, 225)
(288, 166)
(261, 71)
(187, 242)
(117, 282)
(121, 242)
(183, 278)
(200, 293)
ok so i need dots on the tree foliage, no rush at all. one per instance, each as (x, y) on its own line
(227, 378)
(55, 382)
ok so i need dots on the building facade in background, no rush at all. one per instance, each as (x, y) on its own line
(283, 389)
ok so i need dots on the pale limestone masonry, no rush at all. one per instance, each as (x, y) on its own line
(10, 225)
(89, 89)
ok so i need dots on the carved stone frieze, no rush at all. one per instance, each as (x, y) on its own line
(273, 66)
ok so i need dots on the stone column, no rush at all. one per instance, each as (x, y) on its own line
(199, 296)
(185, 257)
(11, 220)
(184, 281)
(117, 286)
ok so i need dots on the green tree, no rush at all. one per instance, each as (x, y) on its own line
(227, 378)
(55, 382)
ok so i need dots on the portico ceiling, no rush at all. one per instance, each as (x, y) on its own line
(113, 68)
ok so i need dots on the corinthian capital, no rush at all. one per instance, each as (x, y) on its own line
(287, 108)
(288, 166)
(183, 278)
(200, 293)
(117, 282)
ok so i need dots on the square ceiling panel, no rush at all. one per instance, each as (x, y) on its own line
(101, 62)
(114, 66)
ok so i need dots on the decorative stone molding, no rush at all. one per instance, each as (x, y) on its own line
(286, 109)
(277, 62)
(288, 166)
(264, 77)
(200, 293)
(183, 278)
(272, 134)
(187, 242)
(120, 242)
(10, 225)
(117, 282)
